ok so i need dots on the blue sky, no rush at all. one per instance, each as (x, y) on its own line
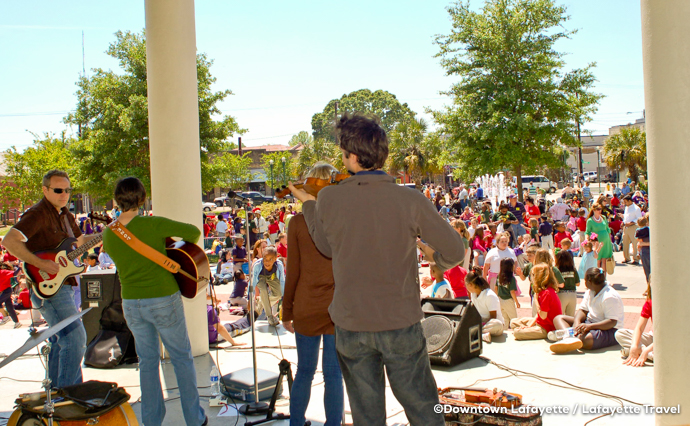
(284, 60)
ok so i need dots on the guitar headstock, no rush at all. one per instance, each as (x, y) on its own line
(100, 218)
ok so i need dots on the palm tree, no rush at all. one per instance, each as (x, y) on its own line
(314, 151)
(407, 150)
(627, 150)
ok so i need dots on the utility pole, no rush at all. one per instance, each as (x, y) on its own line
(239, 144)
(336, 112)
(579, 149)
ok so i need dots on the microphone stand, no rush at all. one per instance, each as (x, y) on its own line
(255, 407)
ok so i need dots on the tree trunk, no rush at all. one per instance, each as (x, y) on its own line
(518, 174)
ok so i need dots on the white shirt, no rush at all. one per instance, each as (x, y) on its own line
(463, 194)
(494, 258)
(486, 302)
(632, 213)
(226, 268)
(262, 225)
(605, 305)
(222, 227)
(558, 210)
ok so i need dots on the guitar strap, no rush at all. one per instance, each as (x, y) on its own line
(144, 249)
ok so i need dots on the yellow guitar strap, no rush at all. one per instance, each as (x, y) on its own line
(144, 249)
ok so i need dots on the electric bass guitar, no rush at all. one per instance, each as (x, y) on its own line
(67, 256)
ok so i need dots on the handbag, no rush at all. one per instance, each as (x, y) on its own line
(110, 348)
(610, 265)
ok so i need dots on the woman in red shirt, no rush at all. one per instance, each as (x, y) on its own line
(6, 274)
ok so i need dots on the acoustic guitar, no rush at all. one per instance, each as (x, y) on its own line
(195, 271)
(66, 255)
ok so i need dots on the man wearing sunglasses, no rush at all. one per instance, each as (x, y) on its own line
(43, 227)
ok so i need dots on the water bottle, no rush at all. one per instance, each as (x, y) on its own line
(215, 382)
(564, 334)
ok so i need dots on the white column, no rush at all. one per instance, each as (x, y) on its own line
(174, 130)
(666, 58)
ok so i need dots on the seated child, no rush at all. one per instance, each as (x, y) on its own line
(92, 262)
(507, 290)
(548, 306)
(638, 346)
(541, 256)
(567, 293)
(224, 269)
(218, 332)
(441, 289)
(238, 295)
(486, 302)
(597, 318)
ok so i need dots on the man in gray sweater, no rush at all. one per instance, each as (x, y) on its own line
(369, 226)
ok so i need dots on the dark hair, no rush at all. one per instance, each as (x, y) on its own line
(564, 261)
(505, 275)
(503, 206)
(595, 276)
(529, 199)
(363, 137)
(51, 173)
(238, 275)
(627, 198)
(475, 277)
(92, 256)
(223, 254)
(5, 265)
(129, 193)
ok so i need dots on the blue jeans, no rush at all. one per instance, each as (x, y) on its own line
(644, 257)
(164, 316)
(307, 358)
(363, 356)
(69, 344)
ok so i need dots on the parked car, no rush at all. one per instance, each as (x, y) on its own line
(255, 197)
(590, 176)
(207, 207)
(221, 201)
(541, 182)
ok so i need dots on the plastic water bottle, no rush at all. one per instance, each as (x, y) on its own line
(215, 381)
(564, 334)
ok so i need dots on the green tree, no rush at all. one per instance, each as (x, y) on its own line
(300, 138)
(112, 115)
(315, 151)
(232, 171)
(274, 176)
(407, 149)
(627, 150)
(380, 103)
(26, 169)
(514, 106)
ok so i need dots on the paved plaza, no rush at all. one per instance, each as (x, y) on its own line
(599, 370)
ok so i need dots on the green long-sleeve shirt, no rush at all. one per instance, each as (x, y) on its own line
(140, 277)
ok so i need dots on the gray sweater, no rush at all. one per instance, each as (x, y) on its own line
(369, 225)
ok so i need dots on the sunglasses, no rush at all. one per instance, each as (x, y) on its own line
(61, 190)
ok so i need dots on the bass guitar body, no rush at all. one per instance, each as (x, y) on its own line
(46, 285)
(194, 262)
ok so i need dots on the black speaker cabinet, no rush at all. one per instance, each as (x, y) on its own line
(98, 289)
(453, 330)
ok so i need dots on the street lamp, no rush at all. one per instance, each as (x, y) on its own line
(284, 178)
(598, 171)
(272, 188)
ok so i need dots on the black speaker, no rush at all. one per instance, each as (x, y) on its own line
(453, 330)
(98, 290)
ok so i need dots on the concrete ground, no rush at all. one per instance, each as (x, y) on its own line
(600, 370)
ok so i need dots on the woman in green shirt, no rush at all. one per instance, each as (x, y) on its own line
(152, 304)
(597, 224)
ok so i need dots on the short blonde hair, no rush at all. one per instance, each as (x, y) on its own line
(321, 170)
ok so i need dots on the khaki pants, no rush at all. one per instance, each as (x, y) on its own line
(629, 237)
(547, 242)
(568, 302)
(530, 333)
(493, 327)
(624, 338)
(508, 311)
(267, 301)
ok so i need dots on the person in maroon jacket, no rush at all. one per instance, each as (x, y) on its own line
(308, 293)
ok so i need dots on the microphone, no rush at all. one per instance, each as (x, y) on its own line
(235, 196)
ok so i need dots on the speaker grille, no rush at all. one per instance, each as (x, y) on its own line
(438, 331)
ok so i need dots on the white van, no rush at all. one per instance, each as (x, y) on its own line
(541, 182)
(590, 176)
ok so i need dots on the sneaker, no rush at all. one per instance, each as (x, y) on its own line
(551, 335)
(5, 321)
(626, 261)
(273, 321)
(17, 325)
(635, 262)
(566, 345)
(239, 331)
(625, 353)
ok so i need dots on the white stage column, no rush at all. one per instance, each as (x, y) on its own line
(174, 129)
(666, 58)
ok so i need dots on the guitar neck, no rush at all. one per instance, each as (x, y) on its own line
(74, 254)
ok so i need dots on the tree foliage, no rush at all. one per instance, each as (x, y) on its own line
(112, 114)
(408, 150)
(380, 103)
(627, 150)
(314, 151)
(514, 106)
(232, 171)
(26, 169)
(300, 138)
(274, 177)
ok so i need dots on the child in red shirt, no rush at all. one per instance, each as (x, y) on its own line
(561, 234)
(548, 306)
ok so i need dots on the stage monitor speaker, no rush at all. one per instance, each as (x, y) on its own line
(98, 290)
(453, 330)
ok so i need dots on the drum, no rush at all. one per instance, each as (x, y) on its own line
(122, 415)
